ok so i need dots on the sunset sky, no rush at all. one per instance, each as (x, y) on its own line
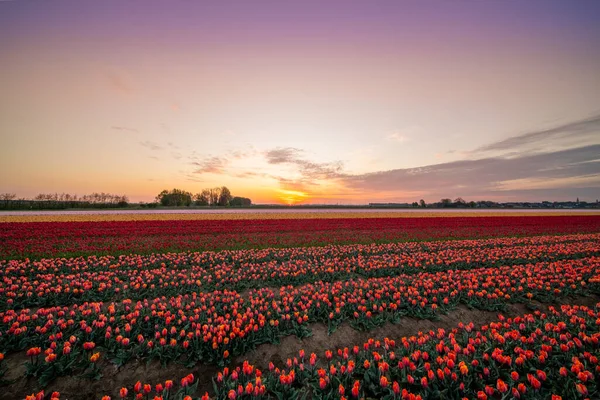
(302, 101)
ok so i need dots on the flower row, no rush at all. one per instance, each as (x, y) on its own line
(58, 239)
(66, 281)
(552, 354)
(535, 356)
(212, 327)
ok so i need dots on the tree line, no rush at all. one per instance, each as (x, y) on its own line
(213, 197)
(61, 201)
(459, 202)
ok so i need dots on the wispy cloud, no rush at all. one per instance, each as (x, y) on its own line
(483, 177)
(124, 129)
(218, 164)
(481, 174)
(397, 137)
(251, 174)
(151, 145)
(308, 169)
(193, 178)
(212, 165)
(573, 134)
(405, 135)
(282, 155)
(550, 183)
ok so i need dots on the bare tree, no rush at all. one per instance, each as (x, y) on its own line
(214, 195)
(7, 196)
(202, 198)
(224, 197)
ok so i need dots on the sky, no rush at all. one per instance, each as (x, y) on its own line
(337, 102)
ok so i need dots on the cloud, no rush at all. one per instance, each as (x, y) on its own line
(151, 145)
(312, 170)
(283, 155)
(124, 128)
(550, 183)
(220, 164)
(252, 174)
(406, 134)
(572, 134)
(570, 168)
(238, 155)
(397, 137)
(511, 174)
(212, 165)
(308, 169)
(173, 146)
(192, 178)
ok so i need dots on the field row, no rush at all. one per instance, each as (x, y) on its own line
(541, 355)
(65, 239)
(212, 327)
(94, 301)
(67, 281)
(243, 214)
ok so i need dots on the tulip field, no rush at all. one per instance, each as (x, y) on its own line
(446, 307)
(59, 238)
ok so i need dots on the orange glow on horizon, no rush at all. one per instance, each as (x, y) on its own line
(291, 197)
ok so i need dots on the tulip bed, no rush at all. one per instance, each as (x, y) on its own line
(80, 316)
(211, 327)
(65, 239)
(67, 281)
(534, 356)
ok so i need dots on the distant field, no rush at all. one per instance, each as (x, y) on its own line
(300, 304)
(38, 239)
(232, 214)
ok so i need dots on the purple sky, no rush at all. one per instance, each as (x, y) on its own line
(337, 102)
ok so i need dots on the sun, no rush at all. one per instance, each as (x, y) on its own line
(291, 197)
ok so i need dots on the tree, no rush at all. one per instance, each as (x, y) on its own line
(175, 197)
(240, 202)
(7, 198)
(213, 196)
(218, 196)
(446, 203)
(202, 198)
(460, 202)
(224, 197)
(422, 203)
(159, 197)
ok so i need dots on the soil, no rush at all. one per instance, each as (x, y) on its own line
(114, 378)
